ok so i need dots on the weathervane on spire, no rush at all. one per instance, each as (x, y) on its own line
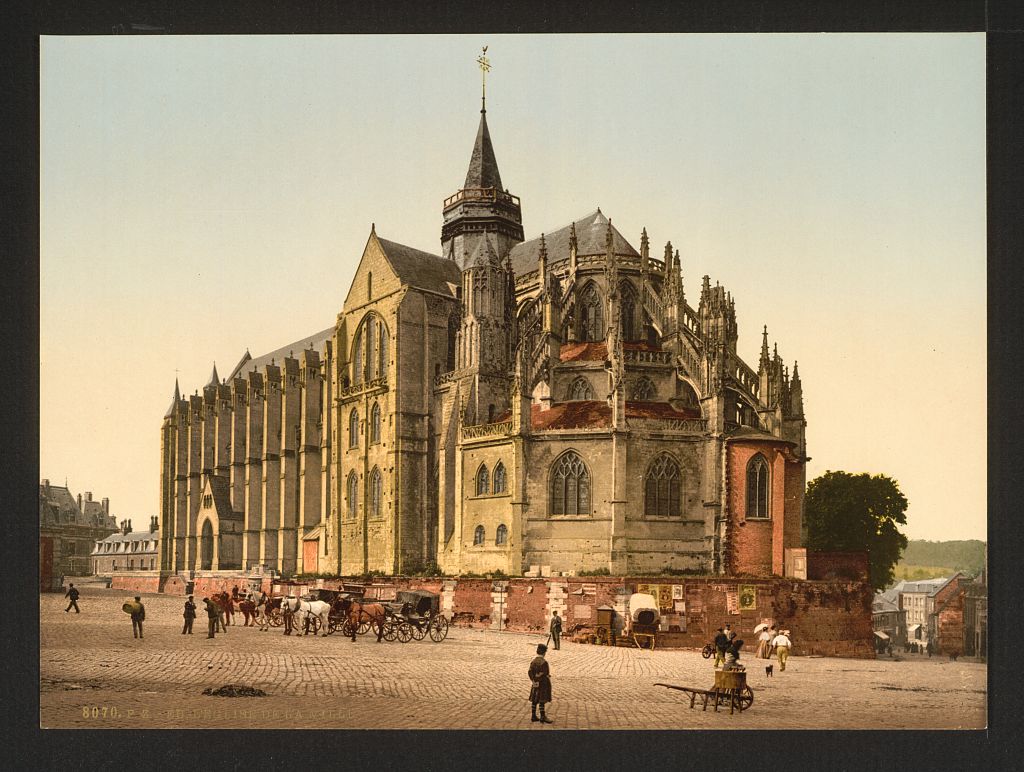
(485, 67)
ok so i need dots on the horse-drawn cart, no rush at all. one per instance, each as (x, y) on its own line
(730, 688)
(421, 609)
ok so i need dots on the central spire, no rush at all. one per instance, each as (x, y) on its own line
(483, 166)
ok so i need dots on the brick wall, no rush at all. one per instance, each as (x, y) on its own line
(142, 582)
(950, 626)
(755, 546)
(830, 618)
(831, 566)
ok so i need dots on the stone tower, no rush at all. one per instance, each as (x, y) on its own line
(482, 222)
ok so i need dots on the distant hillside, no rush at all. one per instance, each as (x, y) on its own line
(966, 556)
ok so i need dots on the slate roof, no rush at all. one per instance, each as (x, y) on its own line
(130, 537)
(421, 269)
(248, 363)
(927, 586)
(590, 238)
(483, 166)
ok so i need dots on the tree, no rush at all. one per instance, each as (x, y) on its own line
(854, 512)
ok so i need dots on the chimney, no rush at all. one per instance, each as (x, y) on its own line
(88, 495)
(129, 526)
(106, 506)
(152, 524)
(79, 501)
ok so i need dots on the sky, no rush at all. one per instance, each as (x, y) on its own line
(201, 196)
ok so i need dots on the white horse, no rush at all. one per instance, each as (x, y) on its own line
(303, 608)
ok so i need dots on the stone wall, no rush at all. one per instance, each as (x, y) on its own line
(137, 582)
(827, 618)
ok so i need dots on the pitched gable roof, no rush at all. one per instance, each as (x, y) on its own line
(247, 363)
(420, 269)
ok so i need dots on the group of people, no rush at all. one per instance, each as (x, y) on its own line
(727, 647)
(220, 611)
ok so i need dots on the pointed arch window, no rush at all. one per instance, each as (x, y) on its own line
(453, 335)
(499, 478)
(375, 424)
(628, 305)
(501, 535)
(483, 481)
(590, 314)
(579, 390)
(371, 347)
(376, 490)
(382, 349)
(353, 429)
(643, 390)
(353, 494)
(758, 479)
(357, 359)
(662, 486)
(570, 486)
(478, 536)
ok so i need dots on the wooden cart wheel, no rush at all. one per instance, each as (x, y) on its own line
(390, 631)
(438, 628)
(419, 629)
(708, 651)
(745, 698)
(404, 632)
(364, 626)
(275, 618)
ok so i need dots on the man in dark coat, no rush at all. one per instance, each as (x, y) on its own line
(190, 615)
(540, 692)
(213, 612)
(137, 617)
(721, 644)
(72, 594)
(556, 630)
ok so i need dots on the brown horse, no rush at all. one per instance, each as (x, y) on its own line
(360, 612)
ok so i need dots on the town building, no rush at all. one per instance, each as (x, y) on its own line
(975, 618)
(68, 528)
(887, 619)
(128, 550)
(505, 404)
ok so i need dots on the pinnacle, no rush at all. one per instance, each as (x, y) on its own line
(483, 166)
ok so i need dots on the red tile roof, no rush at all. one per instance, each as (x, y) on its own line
(595, 414)
(597, 351)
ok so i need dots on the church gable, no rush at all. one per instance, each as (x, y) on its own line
(374, 276)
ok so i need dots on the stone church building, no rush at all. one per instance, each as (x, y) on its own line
(500, 405)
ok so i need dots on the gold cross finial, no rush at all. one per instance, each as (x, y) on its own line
(485, 67)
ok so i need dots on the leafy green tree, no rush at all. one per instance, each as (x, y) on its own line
(854, 512)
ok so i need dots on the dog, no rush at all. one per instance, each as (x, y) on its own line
(769, 670)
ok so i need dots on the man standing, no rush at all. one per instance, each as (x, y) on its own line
(190, 615)
(138, 615)
(721, 644)
(72, 593)
(540, 692)
(289, 616)
(556, 629)
(214, 616)
(782, 643)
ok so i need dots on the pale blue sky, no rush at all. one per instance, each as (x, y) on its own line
(204, 195)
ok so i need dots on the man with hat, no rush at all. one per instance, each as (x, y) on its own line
(540, 692)
(782, 643)
(721, 645)
(72, 593)
(138, 615)
(213, 614)
(190, 615)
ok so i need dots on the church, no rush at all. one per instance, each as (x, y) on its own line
(503, 405)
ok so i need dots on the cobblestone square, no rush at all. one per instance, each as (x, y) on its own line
(94, 674)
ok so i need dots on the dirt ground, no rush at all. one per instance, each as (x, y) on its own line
(94, 674)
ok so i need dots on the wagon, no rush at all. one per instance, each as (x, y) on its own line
(421, 611)
(730, 688)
